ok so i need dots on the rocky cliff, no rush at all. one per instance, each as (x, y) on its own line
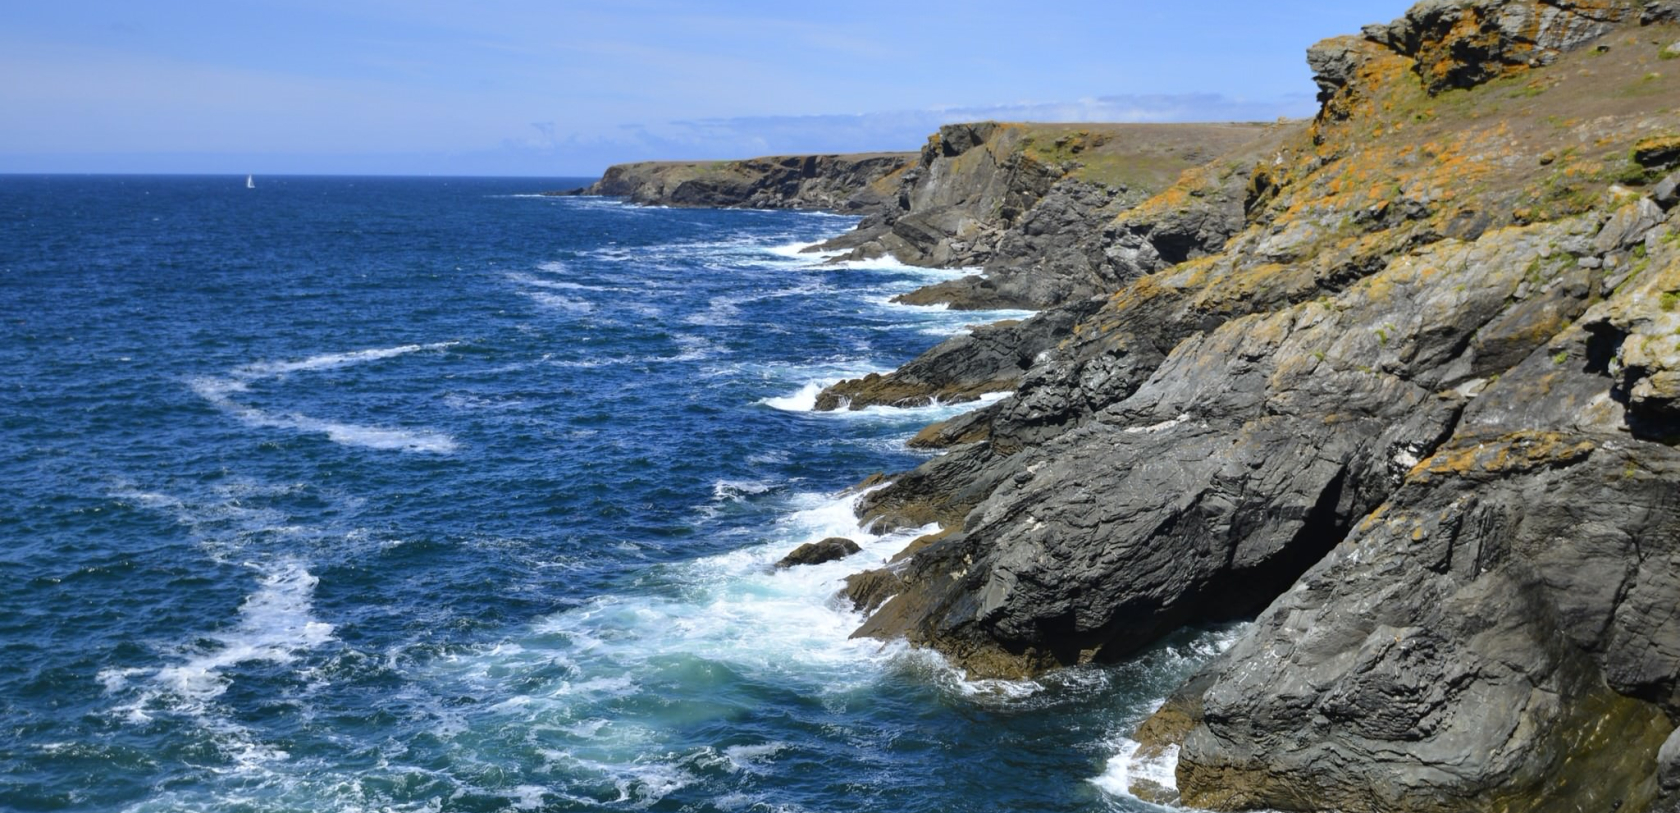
(857, 183)
(1029, 204)
(1401, 383)
(1416, 406)
(1057, 215)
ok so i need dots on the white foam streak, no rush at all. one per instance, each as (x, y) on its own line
(1146, 774)
(328, 361)
(274, 623)
(801, 251)
(559, 303)
(804, 400)
(553, 285)
(219, 392)
(891, 264)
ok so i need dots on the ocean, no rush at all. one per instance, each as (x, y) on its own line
(419, 494)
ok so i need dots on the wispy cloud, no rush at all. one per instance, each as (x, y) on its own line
(548, 148)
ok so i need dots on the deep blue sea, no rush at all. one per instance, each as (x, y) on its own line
(373, 494)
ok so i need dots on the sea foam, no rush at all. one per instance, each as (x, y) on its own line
(1154, 771)
(219, 391)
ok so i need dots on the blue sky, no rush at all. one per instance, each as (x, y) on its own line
(566, 87)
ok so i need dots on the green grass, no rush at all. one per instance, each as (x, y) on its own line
(1647, 85)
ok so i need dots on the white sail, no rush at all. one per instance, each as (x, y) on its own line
(250, 182)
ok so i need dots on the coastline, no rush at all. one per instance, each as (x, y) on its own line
(1245, 389)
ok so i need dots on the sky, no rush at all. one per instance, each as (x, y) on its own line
(549, 88)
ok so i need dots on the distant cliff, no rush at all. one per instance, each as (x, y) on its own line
(1025, 204)
(1029, 203)
(858, 183)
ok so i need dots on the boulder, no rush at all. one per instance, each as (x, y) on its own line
(816, 553)
(1667, 191)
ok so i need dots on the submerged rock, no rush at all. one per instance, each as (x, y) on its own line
(816, 553)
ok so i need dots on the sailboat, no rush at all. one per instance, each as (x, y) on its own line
(250, 182)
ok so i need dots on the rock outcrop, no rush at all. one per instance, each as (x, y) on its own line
(1463, 43)
(858, 183)
(987, 359)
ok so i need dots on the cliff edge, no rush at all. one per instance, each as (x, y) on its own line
(855, 183)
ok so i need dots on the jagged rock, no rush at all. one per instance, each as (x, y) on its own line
(971, 427)
(988, 359)
(1027, 202)
(1463, 43)
(1668, 771)
(1660, 11)
(869, 589)
(1658, 153)
(1628, 226)
(1237, 464)
(1335, 64)
(1667, 191)
(1483, 641)
(816, 553)
(1637, 334)
(1490, 637)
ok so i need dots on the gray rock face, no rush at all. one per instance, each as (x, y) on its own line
(1484, 640)
(1660, 11)
(1029, 204)
(1499, 633)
